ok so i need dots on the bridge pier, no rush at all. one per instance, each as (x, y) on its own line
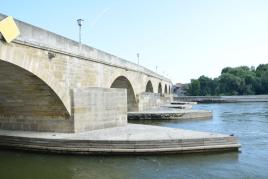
(151, 101)
(92, 108)
(99, 108)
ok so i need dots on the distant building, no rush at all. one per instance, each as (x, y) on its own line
(179, 89)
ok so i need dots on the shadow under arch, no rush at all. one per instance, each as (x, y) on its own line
(159, 88)
(149, 87)
(166, 89)
(123, 82)
(25, 97)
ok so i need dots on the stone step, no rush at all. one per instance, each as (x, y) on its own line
(114, 146)
(130, 139)
(169, 115)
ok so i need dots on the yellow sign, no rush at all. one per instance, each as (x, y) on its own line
(9, 29)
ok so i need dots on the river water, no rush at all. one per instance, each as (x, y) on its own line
(248, 121)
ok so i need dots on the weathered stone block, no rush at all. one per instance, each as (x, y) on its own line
(98, 108)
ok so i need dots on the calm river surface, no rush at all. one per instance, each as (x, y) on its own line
(248, 121)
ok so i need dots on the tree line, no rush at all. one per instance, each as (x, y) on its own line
(241, 80)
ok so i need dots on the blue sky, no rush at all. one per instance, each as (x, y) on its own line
(183, 38)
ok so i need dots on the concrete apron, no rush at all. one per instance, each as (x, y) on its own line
(170, 115)
(131, 139)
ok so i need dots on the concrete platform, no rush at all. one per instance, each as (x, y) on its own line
(169, 115)
(132, 139)
(223, 99)
(183, 102)
(178, 106)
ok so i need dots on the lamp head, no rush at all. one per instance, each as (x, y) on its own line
(79, 22)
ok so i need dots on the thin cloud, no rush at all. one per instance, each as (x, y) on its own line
(98, 17)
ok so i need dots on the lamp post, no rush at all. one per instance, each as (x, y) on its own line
(79, 22)
(138, 56)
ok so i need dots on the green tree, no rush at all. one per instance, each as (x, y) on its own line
(230, 84)
(240, 80)
(243, 78)
(215, 89)
(261, 69)
(205, 85)
(264, 82)
(194, 88)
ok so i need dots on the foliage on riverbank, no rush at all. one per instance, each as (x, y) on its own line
(232, 81)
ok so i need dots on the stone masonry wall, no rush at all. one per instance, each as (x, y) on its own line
(27, 103)
(98, 108)
(152, 101)
(148, 101)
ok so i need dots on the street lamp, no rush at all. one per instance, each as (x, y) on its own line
(79, 22)
(138, 56)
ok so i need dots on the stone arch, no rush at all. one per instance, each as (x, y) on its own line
(123, 82)
(149, 87)
(166, 89)
(33, 66)
(160, 88)
(26, 101)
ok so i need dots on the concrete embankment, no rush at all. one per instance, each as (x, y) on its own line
(222, 99)
(183, 103)
(131, 139)
(177, 106)
(169, 115)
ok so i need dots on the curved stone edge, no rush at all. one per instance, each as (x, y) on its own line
(104, 147)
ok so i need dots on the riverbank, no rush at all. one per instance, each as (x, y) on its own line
(133, 139)
(222, 99)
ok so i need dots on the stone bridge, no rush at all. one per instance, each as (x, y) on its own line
(51, 83)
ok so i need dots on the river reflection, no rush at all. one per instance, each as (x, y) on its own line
(32, 165)
(248, 121)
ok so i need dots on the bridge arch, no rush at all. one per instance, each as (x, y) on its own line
(149, 87)
(123, 82)
(160, 88)
(166, 89)
(20, 58)
(25, 99)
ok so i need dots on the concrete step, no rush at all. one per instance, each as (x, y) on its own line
(177, 106)
(131, 139)
(170, 115)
